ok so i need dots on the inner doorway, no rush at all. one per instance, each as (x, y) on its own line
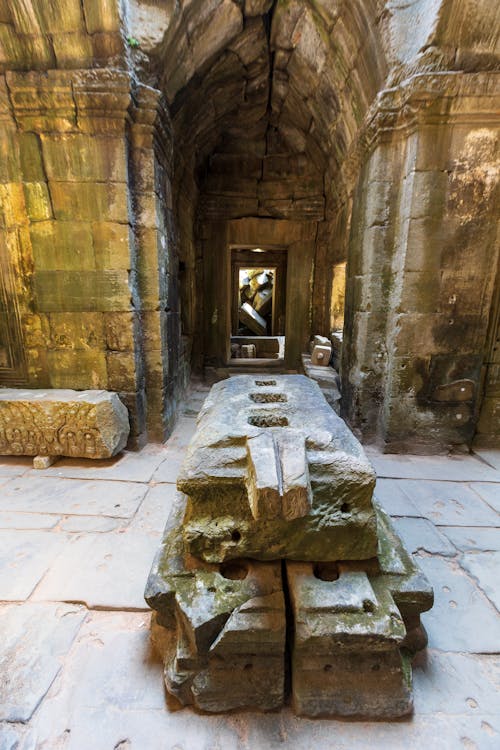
(258, 304)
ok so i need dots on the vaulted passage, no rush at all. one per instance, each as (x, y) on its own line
(264, 115)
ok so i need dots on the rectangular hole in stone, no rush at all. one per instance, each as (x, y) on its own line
(268, 420)
(265, 382)
(268, 398)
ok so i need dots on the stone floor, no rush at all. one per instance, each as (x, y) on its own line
(76, 666)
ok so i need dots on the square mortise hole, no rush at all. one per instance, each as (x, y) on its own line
(268, 398)
(265, 382)
(268, 420)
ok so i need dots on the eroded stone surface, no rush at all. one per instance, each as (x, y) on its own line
(283, 478)
(34, 639)
(86, 424)
(355, 627)
(219, 628)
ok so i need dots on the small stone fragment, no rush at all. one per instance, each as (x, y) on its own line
(43, 462)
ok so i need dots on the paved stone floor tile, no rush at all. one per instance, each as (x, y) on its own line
(35, 638)
(101, 570)
(462, 618)
(455, 468)
(490, 493)
(490, 455)
(393, 499)
(25, 557)
(17, 737)
(417, 733)
(421, 534)
(449, 503)
(101, 524)
(71, 496)
(467, 538)
(168, 471)
(155, 509)
(484, 567)
(456, 684)
(129, 466)
(182, 433)
(11, 520)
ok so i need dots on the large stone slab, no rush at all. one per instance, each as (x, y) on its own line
(35, 637)
(449, 503)
(356, 626)
(44, 494)
(25, 557)
(462, 619)
(220, 629)
(421, 534)
(101, 570)
(454, 468)
(485, 567)
(476, 539)
(273, 473)
(84, 424)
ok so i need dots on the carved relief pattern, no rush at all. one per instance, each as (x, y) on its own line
(68, 429)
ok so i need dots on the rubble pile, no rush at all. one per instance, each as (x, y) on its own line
(255, 301)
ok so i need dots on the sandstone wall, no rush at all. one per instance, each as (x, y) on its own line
(138, 139)
(421, 269)
(89, 259)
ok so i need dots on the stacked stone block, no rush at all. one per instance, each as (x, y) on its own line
(276, 548)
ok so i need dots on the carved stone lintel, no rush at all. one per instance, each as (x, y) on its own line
(81, 424)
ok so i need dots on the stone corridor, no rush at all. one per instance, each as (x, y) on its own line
(77, 669)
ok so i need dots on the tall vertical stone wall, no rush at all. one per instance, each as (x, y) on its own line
(135, 136)
(67, 224)
(420, 281)
(88, 240)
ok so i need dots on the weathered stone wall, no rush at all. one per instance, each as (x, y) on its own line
(135, 136)
(420, 281)
(66, 225)
(89, 263)
(488, 427)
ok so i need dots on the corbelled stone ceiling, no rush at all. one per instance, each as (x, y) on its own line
(264, 77)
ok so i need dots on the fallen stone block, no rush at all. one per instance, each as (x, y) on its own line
(263, 302)
(327, 379)
(220, 629)
(273, 473)
(252, 320)
(248, 351)
(357, 628)
(320, 356)
(318, 341)
(81, 424)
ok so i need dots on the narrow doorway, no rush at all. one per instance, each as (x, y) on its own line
(258, 304)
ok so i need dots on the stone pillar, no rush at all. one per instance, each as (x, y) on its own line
(423, 243)
(152, 154)
(73, 216)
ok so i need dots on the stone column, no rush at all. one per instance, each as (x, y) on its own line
(152, 156)
(423, 246)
